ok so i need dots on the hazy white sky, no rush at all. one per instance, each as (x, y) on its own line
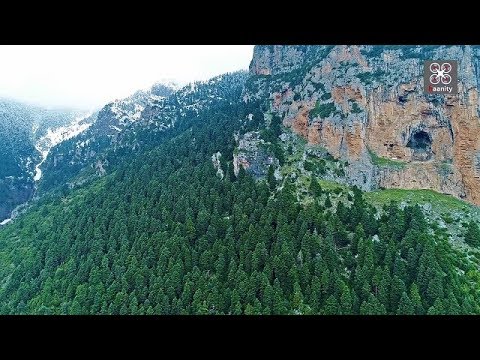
(88, 76)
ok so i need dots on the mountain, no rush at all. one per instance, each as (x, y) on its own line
(365, 105)
(24, 128)
(130, 125)
(31, 132)
(215, 199)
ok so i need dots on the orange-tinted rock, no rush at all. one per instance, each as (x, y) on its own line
(331, 137)
(389, 125)
(394, 117)
(314, 133)
(355, 144)
(300, 123)
(277, 100)
(466, 129)
(342, 95)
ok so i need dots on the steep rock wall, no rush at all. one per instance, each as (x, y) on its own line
(364, 103)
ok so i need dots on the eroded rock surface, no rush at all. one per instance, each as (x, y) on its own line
(366, 105)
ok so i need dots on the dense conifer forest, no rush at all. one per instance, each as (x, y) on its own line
(165, 234)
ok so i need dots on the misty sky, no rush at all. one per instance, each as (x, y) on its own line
(89, 76)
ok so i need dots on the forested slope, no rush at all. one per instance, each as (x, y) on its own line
(164, 233)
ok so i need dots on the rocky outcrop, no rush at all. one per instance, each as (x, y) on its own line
(253, 154)
(216, 164)
(466, 147)
(277, 58)
(366, 104)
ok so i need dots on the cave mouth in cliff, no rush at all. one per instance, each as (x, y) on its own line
(421, 144)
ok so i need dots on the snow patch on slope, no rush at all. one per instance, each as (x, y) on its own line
(126, 111)
(55, 137)
(5, 222)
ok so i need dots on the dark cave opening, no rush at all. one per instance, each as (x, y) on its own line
(421, 143)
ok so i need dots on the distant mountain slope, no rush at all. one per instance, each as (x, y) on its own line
(21, 127)
(131, 125)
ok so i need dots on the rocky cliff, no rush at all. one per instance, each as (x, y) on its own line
(366, 105)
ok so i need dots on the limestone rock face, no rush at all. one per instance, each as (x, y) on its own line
(366, 105)
(276, 58)
(253, 155)
(216, 164)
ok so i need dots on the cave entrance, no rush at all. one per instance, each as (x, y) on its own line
(421, 144)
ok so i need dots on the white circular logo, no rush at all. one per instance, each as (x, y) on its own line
(440, 73)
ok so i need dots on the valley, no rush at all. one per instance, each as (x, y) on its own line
(56, 136)
(22, 128)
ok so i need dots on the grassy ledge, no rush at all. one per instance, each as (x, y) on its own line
(385, 162)
(438, 200)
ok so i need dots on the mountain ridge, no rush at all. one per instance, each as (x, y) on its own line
(209, 202)
(121, 125)
(49, 127)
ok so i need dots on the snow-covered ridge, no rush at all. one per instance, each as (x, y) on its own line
(127, 110)
(56, 136)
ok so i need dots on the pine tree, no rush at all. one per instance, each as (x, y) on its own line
(472, 235)
(384, 287)
(315, 189)
(416, 300)
(272, 183)
(231, 174)
(372, 307)
(435, 288)
(297, 302)
(358, 236)
(405, 307)
(279, 304)
(315, 294)
(411, 265)
(451, 305)
(331, 306)
(437, 308)
(346, 305)
(400, 269)
(328, 202)
(190, 229)
(397, 289)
